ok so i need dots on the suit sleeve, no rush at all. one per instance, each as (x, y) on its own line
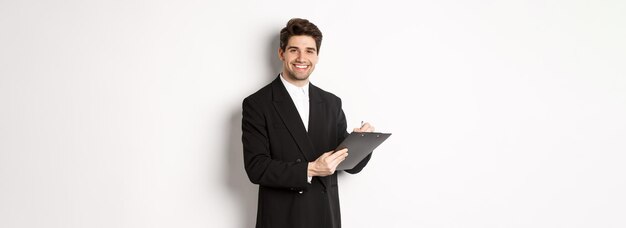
(259, 165)
(342, 134)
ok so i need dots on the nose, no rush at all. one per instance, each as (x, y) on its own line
(300, 58)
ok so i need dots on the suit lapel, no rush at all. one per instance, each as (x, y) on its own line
(317, 120)
(289, 114)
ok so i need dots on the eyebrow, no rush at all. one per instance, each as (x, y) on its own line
(307, 48)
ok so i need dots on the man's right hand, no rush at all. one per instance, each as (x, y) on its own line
(326, 164)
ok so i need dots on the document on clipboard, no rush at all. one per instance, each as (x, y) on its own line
(360, 144)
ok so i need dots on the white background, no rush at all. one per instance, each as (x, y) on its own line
(127, 113)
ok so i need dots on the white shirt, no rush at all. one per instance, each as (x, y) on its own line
(300, 97)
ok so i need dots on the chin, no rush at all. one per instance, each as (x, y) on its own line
(303, 77)
(300, 77)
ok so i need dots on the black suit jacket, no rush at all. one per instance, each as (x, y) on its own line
(277, 149)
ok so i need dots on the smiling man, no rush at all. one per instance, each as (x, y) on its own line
(290, 128)
(299, 57)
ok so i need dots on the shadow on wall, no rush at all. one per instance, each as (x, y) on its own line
(238, 183)
(274, 63)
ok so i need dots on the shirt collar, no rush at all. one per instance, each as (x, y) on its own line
(293, 89)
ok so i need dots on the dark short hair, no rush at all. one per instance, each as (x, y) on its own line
(298, 27)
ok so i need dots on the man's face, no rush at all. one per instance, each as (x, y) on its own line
(299, 58)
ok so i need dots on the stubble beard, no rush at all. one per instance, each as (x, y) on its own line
(298, 77)
(291, 74)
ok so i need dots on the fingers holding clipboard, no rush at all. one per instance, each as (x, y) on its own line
(360, 144)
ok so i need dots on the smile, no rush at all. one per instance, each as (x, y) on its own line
(301, 66)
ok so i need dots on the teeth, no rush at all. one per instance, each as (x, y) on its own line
(301, 67)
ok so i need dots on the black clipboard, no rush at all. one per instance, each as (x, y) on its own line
(360, 144)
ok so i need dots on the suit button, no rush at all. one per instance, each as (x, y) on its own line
(298, 160)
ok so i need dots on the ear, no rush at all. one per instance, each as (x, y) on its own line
(280, 54)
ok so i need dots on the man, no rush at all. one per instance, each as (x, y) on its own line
(290, 128)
